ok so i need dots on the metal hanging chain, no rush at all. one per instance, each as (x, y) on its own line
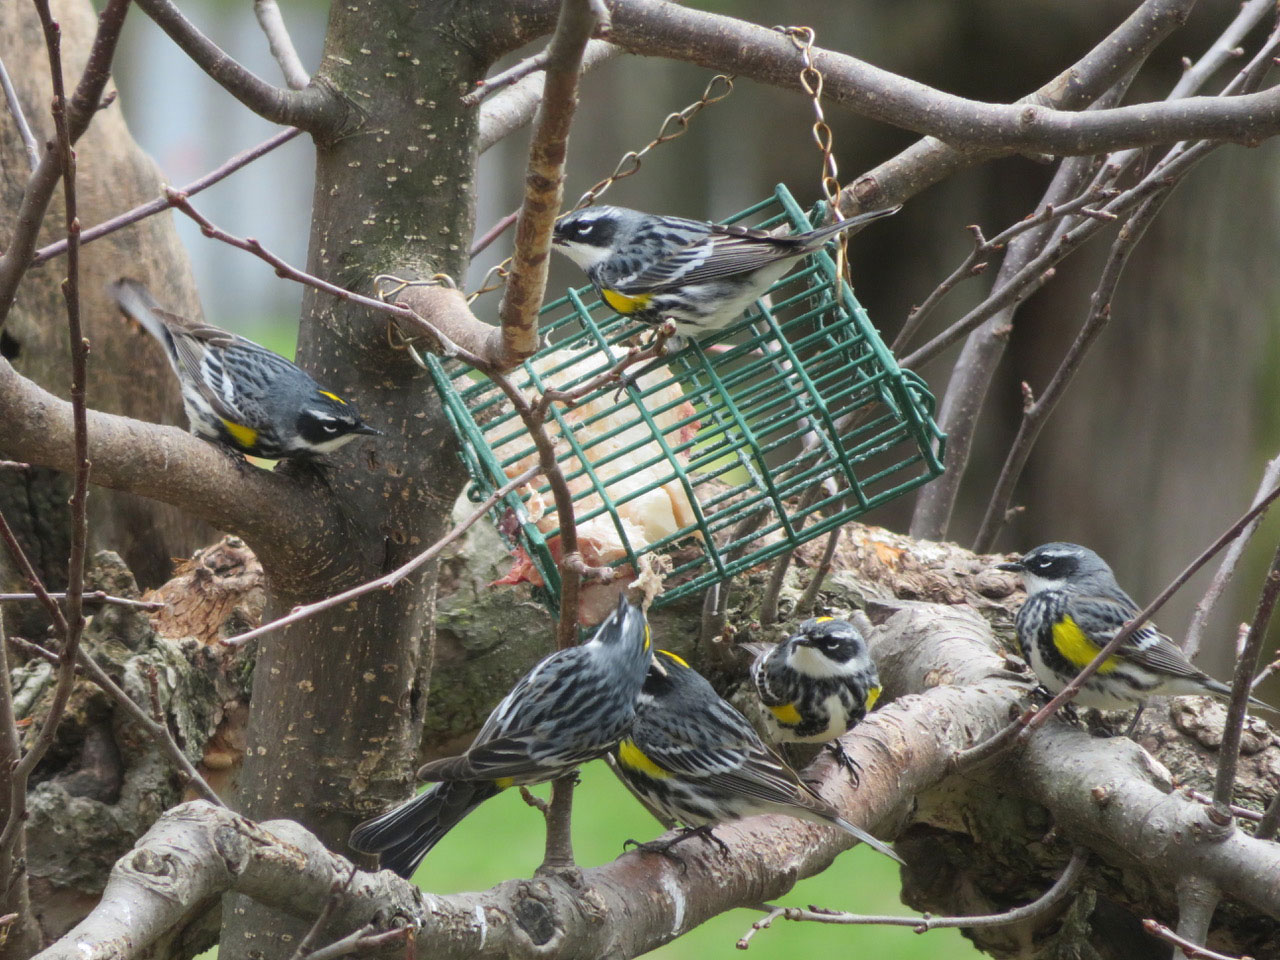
(802, 39)
(675, 125)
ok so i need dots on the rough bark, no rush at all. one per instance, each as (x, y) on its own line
(128, 373)
(106, 780)
(981, 839)
(347, 688)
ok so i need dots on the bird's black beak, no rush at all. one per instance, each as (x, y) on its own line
(1015, 566)
(371, 431)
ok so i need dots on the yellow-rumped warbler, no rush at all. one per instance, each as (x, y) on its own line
(239, 394)
(572, 707)
(817, 684)
(700, 275)
(691, 757)
(1073, 607)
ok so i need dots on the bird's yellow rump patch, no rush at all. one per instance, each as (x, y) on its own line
(1075, 645)
(623, 304)
(786, 713)
(633, 758)
(872, 696)
(503, 782)
(672, 656)
(244, 436)
(333, 396)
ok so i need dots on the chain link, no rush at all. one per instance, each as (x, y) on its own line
(811, 80)
(675, 125)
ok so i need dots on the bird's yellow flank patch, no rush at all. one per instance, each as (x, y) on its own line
(786, 713)
(633, 758)
(503, 782)
(1079, 650)
(244, 436)
(872, 696)
(333, 396)
(623, 304)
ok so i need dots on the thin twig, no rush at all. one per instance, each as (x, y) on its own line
(1269, 825)
(286, 270)
(315, 109)
(544, 182)
(306, 946)
(160, 204)
(559, 812)
(20, 118)
(389, 580)
(491, 85)
(1241, 813)
(493, 233)
(973, 264)
(1037, 414)
(804, 606)
(281, 44)
(1189, 949)
(14, 888)
(925, 922)
(1246, 667)
(40, 186)
(71, 627)
(364, 940)
(570, 575)
(92, 596)
(1226, 570)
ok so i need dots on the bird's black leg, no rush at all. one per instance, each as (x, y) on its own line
(842, 758)
(663, 847)
(1133, 724)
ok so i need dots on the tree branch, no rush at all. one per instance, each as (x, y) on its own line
(83, 105)
(165, 202)
(544, 183)
(162, 463)
(964, 694)
(514, 108)
(316, 109)
(19, 118)
(281, 44)
(1226, 570)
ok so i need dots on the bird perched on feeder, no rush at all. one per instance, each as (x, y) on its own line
(699, 275)
(692, 758)
(1074, 606)
(572, 707)
(239, 394)
(817, 684)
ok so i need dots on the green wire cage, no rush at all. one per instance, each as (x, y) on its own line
(797, 421)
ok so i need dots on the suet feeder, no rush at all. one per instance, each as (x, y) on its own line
(799, 420)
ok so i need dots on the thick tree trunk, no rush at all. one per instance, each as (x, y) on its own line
(340, 699)
(128, 373)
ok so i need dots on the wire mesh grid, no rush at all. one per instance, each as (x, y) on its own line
(799, 422)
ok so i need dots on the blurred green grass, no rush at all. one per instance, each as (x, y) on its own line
(504, 839)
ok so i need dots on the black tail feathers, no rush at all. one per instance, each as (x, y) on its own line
(405, 835)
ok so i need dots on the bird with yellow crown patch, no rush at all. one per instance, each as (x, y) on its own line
(817, 684)
(692, 758)
(571, 707)
(239, 394)
(1074, 606)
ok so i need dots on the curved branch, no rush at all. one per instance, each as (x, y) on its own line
(163, 463)
(658, 28)
(544, 183)
(316, 109)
